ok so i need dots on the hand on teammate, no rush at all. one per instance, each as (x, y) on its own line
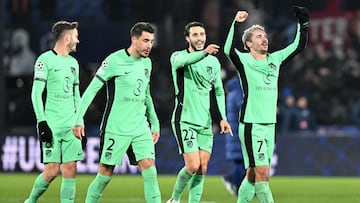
(45, 133)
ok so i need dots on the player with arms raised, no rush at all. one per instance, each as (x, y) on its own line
(259, 72)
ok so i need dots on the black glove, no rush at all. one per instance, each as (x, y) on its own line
(83, 142)
(44, 133)
(302, 14)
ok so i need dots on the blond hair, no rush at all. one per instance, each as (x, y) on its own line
(248, 33)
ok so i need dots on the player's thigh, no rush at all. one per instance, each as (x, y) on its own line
(257, 142)
(113, 148)
(143, 147)
(205, 140)
(71, 148)
(186, 137)
(53, 154)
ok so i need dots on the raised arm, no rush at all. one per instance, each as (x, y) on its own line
(301, 38)
(234, 36)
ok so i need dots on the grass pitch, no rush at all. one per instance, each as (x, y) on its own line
(129, 189)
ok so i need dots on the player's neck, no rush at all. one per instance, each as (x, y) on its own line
(259, 56)
(133, 52)
(61, 49)
(191, 50)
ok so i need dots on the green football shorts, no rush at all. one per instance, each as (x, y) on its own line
(192, 138)
(113, 147)
(66, 147)
(257, 143)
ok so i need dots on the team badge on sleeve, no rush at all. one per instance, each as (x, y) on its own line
(39, 65)
(104, 64)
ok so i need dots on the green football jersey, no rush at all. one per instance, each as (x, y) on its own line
(129, 107)
(194, 76)
(259, 78)
(60, 76)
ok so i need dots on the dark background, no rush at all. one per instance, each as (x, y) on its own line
(104, 28)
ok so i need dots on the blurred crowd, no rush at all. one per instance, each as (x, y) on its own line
(319, 87)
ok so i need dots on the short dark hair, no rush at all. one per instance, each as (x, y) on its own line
(61, 26)
(140, 27)
(190, 25)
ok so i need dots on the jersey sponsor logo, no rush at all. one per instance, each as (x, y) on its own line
(39, 65)
(63, 97)
(259, 88)
(268, 78)
(132, 99)
(138, 87)
(67, 85)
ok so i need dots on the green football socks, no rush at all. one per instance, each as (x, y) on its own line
(151, 186)
(196, 188)
(263, 192)
(182, 179)
(39, 187)
(246, 191)
(96, 188)
(68, 190)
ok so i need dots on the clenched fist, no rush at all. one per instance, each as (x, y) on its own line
(241, 16)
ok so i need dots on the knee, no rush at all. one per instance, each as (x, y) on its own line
(145, 164)
(50, 174)
(193, 168)
(68, 170)
(69, 167)
(262, 173)
(203, 168)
